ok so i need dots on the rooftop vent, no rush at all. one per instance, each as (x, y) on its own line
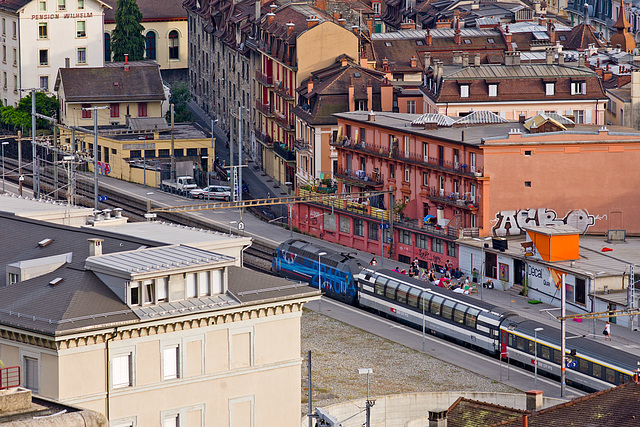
(44, 243)
(56, 281)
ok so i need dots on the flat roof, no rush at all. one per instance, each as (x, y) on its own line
(556, 230)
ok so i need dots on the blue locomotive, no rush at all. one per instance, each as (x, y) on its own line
(337, 273)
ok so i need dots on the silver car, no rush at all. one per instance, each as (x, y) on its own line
(212, 192)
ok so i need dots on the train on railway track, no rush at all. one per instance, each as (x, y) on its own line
(482, 326)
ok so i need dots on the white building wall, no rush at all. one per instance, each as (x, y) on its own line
(62, 40)
(9, 58)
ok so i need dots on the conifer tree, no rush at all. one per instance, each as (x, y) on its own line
(127, 36)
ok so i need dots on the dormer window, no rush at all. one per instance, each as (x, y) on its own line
(387, 44)
(491, 41)
(550, 89)
(493, 90)
(420, 42)
(578, 88)
(467, 41)
(376, 7)
(148, 292)
(464, 91)
(134, 293)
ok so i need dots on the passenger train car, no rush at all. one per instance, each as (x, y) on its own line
(298, 259)
(482, 326)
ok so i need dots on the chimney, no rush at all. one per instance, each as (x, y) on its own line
(429, 37)
(95, 247)
(66, 63)
(507, 36)
(465, 59)
(344, 62)
(257, 12)
(542, 21)
(126, 62)
(336, 16)
(271, 17)
(427, 61)
(525, 421)
(457, 57)
(352, 96)
(534, 400)
(476, 60)
(386, 97)
(414, 61)
(457, 37)
(321, 4)
(408, 25)
(371, 117)
(581, 60)
(369, 98)
(385, 65)
(355, 29)
(550, 56)
(369, 23)
(342, 22)
(438, 418)
(522, 118)
(309, 86)
(290, 27)
(312, 21)
(560, 58)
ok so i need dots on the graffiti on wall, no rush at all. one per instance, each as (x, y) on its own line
(104, 168)
(511, 222)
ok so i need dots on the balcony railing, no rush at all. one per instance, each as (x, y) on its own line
(282, 121)
(264, 79)
(9, 377)
(452, 199)
(265, 109)
(283, 92)
(351, 206)
(415, 158)
(284, 152)
(264, 139)
(360, 177)
(301, 145)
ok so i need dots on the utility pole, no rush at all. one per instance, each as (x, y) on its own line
(563, 333)
(309, 390)
(239, 153)
(36, 183)
(20, 178)
(231, 170)
(391, 213)
(172, 173)
(55, 162)
(94, 111)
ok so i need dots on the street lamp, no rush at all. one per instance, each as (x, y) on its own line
(482, 263)
(381, 236)
(289, 184)
(230, 223)
(3, 144)
(535, 338)
(369, 402)
(320, 281)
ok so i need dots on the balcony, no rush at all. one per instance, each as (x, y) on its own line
(265, 109)
(286, 154)
(451, 199)
(282, 121)
(418, 225)
(350, 206)
(264, 139)
(414, 158)
(301, 145)
(263, 79)
(359, 178)
(283, 92)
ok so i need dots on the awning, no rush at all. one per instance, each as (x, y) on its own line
(428, 217)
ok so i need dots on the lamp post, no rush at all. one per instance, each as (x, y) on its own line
(320, 281)
(369, 403)
(289, 184)
(3, 144)
(381, 236)
(482, 264)
(231, 223)
(535, 340)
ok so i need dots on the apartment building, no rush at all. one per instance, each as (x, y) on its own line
(148, 333)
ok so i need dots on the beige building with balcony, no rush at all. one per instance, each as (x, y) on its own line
(148, 334)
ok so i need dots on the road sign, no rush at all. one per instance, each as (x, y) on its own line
(241, 226)
(572, 364)
(21, 178)
(103, 198)
(385, 226)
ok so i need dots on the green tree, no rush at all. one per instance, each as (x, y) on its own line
(20, 117)
(127, 36)
(180, 96)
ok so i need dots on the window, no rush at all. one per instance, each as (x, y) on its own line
(80, 4)
(578, 116)
(411, 107)
(150, 45)
(578, 88)
(464, 91)
(142, 109)
(44, 56)
(550, 89)
(437, 245)
(31, 374)
(362, 105)
(467, 41)
(4, 75)
(42, 5)
(422, 241)
(345, 224)
(204, 283)
(107, 47)
(121, 371)
(493, 90)
(373, 230)
(172, 420)
(13, 278)
(44, 83)
(15, 83)
(451, 249)
(420, 42)
(135, 154)
(170, 362)
(62, 5)
(15, 56)
(86, 114)
(134, 293)
(358, 227)
(81, 29)
(376, 7)
(405, 237)
(387, 44)
(392, 171)
(4, 54)
(4, 27)
(164, 152)
(406, 174)
(527, 183)
(161, 285)
(82, 55)
(491, 41)
(14, 26)
(191, 285)
(173, 45)
(114, 110)
(148, 287)
(42, 30)
(527, 152)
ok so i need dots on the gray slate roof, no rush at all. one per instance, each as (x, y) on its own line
(111, 84)
(516, 71)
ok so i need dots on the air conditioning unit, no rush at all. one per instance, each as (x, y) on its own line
(500, 243)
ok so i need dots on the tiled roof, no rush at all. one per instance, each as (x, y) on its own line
(152, 10)
(140, 83)
(13, 5)
(471, 413)
(581, 37)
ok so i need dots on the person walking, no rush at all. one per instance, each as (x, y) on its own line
(607, 331)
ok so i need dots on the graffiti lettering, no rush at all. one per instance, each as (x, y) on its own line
(425, 255)
(104, 168)
(511, 222)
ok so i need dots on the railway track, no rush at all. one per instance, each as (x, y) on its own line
(257, 257)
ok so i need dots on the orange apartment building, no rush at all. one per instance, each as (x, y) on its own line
(477, 176)
(292, 42)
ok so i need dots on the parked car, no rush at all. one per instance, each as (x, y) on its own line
(212, 192)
